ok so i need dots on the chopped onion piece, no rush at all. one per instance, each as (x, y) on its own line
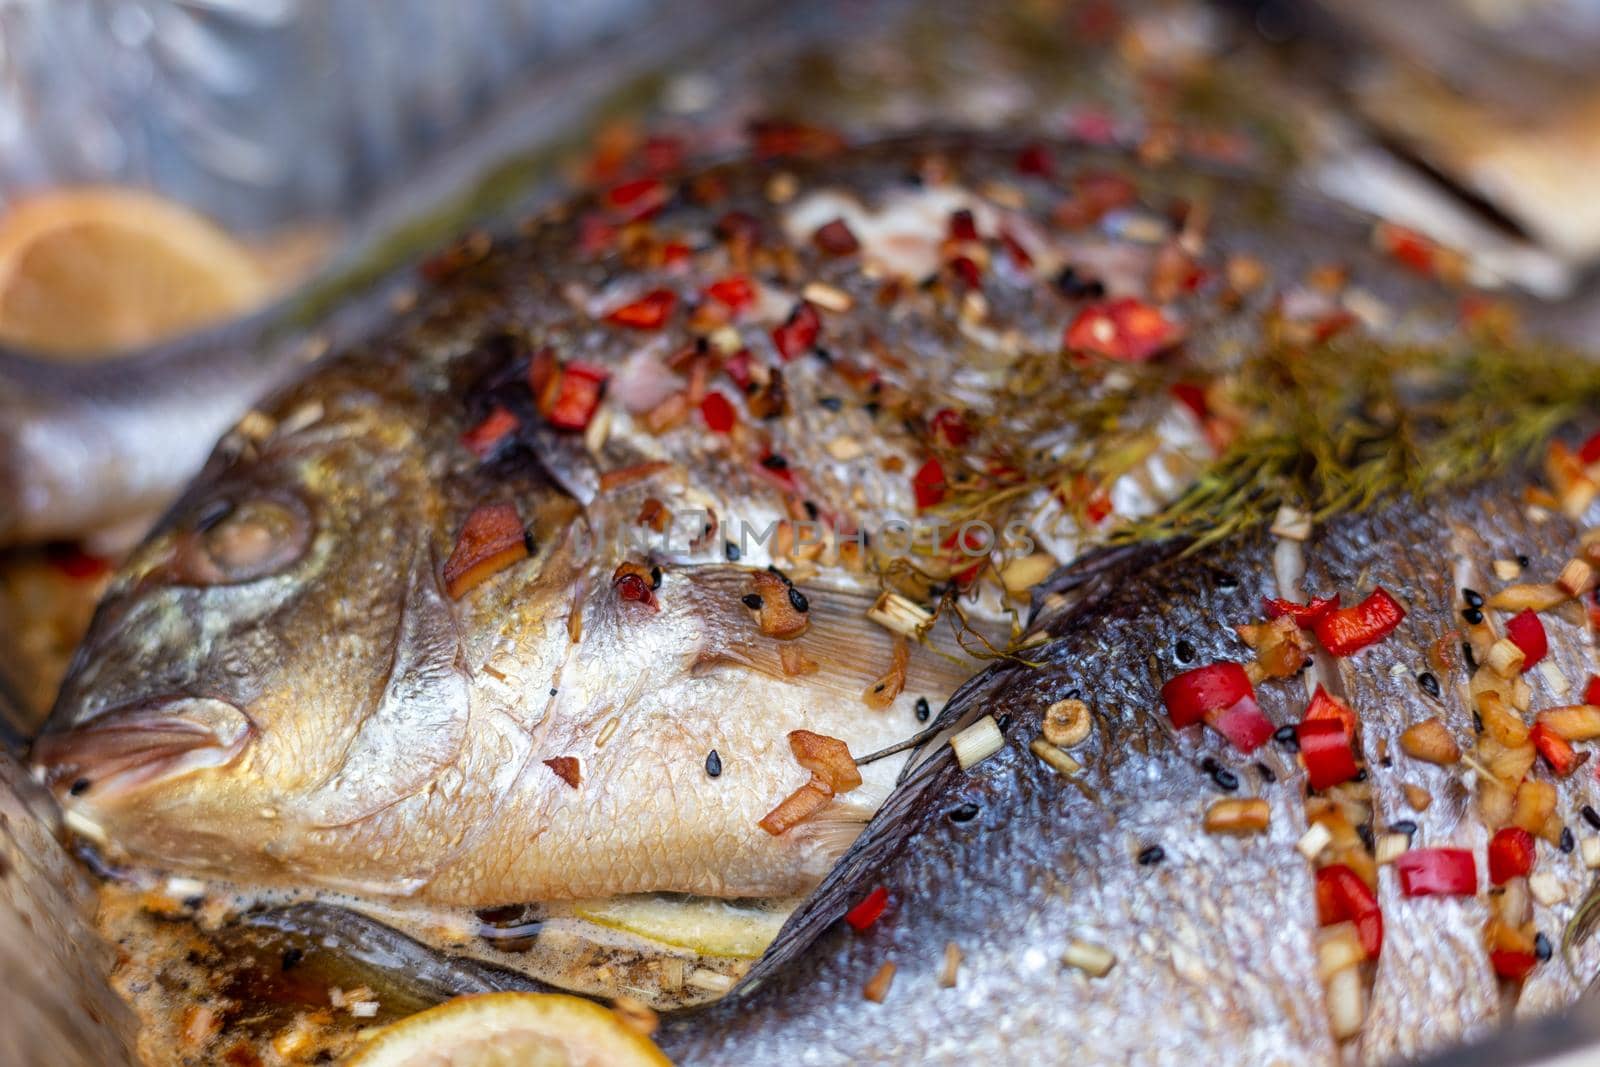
(977, 742)
(1347, 1003)
(1590, 850)
(1093, 960)
(1547, 888)
(1339, 947)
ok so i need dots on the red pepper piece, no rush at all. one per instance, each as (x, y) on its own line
(635, 200)
(1243, 723)
(1014, 248)
(674, 253)
(1511, 964)
(738, 368)
(928, 484)
(1427, 872)
(1128, 330)
(869, 910)
(718, 412)
(1305, 615)
(595, 235)
(1189, 696)
(1035, 159)
(950, 427)
(1589, 451)
(1591, 692)
(773, 138)
(1527, 633)
(836, 238)
(648, 312)
(1511, 855)
(491, 540)
(734, 291)
(1323, 706)
(73, 562)
(486, 436)
(577, 396)
(1329, 756)
(967, 272)
(1556, 750)
(963, 227)
(799, 331)
(631, 585)
(1348, 630)
(1343, 897)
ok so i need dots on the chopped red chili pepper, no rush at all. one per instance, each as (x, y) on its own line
(950, 427)
(595, 235)
(1323, 706)
(486, 436)
(738, 368)
(869, 910)
(633, 201)
(1327, 751)
(1014, 248)
(1343, 897)
(1556, 750)
(1348, 630)
(963, 227)
(73, 562)
(630, 585)
(576, 396)
(772, 138)
(1127, 330)
(1511, 964)
(1527, 633)
(1426, 872)
(928, 484)
(1511, 855)
(967, 272)
(1408, 247)
(1035, 159)
(718, 412)
(1591, 692)
(799, 331)
(1221, 696)
(491, 540)
(734, 291)
(649, 312)
(1589, 451)
(836, 238)
(1305, 615)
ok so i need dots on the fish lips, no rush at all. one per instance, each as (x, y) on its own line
(139, 744)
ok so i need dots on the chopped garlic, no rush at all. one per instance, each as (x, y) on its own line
(709, 980)
(1506, 569)
(1238, 815)
(1553, 677)
(1575, 577)
(844, 448)
(827, 297)
(1338, 947)
(1347, 1002)
(952, 964)
(1391, 847)
(1590, 850)
(1057, 759)
(364, 1009)
(894, 612)
(184, 888)
(977, 742)
(1093, 960)
(1547, 888)
(1314, 840)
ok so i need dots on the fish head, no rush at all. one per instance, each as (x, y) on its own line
(281, 639)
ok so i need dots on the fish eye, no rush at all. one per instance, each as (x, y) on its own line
(231, 541)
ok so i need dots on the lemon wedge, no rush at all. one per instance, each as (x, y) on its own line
(87, 271)
(510, 1030)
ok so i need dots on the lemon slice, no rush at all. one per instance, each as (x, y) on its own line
(510, 1030)
(709, 927)
(88, 271)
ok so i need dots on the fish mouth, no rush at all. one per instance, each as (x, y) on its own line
(136, 745)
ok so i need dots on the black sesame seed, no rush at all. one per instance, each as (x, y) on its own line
(798, 600)
(655, 577)
(1472, 615)
(1266, 773)
(1004, 723)
(752, 601)
(1361, 775)
(292, 958)
(731, 551)
(1473, 598)
(1226, 780)
(1477, 722)
(1403, 826)
(1466, 654)
(964, 813)
(1523, 561)
(1286, 736)
(1429, 683)
(1151, 856)
(832, 403)
(1364, 832)
(1227, 582)
(1385, 761)
(552, 690)
(80, 787)
(923, 710)
(1184, 651)
(1542, 947)
(713, 764)
(1210, 765)
(1590, 816)
(775, 462)
(1568, 841)
(782, 577)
